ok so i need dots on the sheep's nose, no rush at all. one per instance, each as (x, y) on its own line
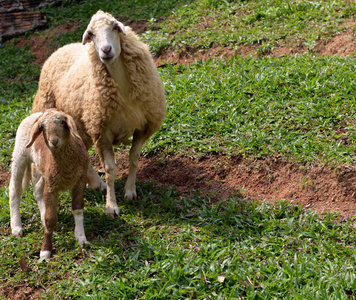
(106, 49)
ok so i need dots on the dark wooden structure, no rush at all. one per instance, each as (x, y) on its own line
(17, 17)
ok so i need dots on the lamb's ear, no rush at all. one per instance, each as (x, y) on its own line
(73, 127)
(86, 37)
(120, 27)
(35, 132)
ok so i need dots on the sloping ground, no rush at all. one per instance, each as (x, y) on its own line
(219, 176)
(319, 188)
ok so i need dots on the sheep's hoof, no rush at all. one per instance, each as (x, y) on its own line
(82, 241)
(99, 185)
(45, 254)
(103, 187)
(130, 195)
(112, 211)
(17, 231)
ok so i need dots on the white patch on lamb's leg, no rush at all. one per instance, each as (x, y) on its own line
(130, 186)
(45, 254)
(38, 186)
(94, 180)
(79, 227)
(15, 194)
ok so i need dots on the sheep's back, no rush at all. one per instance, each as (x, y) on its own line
(57, 67)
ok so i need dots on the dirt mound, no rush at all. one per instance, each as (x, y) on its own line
(219, 176)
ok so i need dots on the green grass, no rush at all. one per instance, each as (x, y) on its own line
(266, 24)
(301, 108)
(227, 250)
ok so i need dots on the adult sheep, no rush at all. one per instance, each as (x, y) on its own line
(112, 89)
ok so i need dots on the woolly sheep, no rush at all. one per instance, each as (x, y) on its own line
(112, 89)
(51, 143)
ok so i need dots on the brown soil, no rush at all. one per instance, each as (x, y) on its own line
(319, 188)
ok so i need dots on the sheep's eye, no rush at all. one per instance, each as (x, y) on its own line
(64, 122)
(40, 127)
(90, 34)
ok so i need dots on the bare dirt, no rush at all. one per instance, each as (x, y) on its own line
(321, 188)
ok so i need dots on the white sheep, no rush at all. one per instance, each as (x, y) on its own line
(112, 89)
(50, 142)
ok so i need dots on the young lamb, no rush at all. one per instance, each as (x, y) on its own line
(51, 142)
(112, 89)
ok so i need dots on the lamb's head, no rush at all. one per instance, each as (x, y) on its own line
(104, 30)
(56, 127)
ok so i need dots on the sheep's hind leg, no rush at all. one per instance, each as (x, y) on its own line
(130, 187)
(15, 194)
(108, 160)
(38, 186)
(94, 179)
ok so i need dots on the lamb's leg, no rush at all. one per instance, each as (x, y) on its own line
(15, 194)
(77, 208)
(107, 158)
(94, 180)
(139, 139)
(38, 186)
(51, 218)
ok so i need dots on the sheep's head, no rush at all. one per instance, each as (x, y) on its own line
(104, 30)
(56, 127)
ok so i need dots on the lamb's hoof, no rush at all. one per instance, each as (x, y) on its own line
(112, 211)
(17, 231)
(45, 254)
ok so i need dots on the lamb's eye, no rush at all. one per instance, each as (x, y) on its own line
(40, 127)
(64, 122)
(90, 34)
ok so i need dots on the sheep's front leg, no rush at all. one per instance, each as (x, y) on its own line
(107, 158)
(51, 218)
(139, 139)
(77, 208)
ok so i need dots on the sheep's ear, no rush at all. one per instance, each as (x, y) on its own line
(35, 132)
(120, 27)
(86, 37)
(73, 127)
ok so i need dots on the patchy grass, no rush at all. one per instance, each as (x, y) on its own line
(300, 107)
(266, 24)
(169, 246)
